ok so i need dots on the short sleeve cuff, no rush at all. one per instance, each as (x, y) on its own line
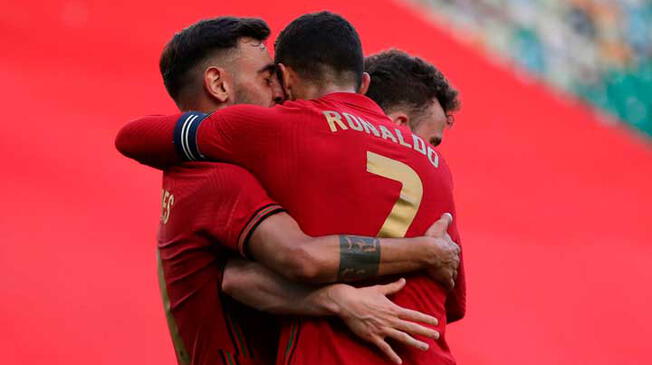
(259, 216)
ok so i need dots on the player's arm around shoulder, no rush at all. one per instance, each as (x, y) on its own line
(161, 141)
(280, 244)
(367, 311)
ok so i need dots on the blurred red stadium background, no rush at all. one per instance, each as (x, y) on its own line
(555, 208)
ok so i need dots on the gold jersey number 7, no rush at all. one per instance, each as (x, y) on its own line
(407, 205)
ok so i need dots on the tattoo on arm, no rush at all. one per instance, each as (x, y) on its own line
(359, 258)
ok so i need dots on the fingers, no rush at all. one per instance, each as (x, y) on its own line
(448, 217)
(386, 349)
(448, 280)
(457, 247)
(416, 329)
(406, 339)
(392, 288)
(441, 226)
(454, 265)
(442, 276)
(414, 316)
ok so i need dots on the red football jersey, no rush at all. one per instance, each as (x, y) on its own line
(208, 211)
(337, 164)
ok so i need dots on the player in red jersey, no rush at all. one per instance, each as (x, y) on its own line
(221, 202)
(415, 94)
(205, 203)
(345, 142)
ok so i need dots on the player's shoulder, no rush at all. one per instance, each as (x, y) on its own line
(444, 166)
(281, 114)
(298, 104)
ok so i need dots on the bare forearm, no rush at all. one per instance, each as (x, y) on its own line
(366, 311)
(256, 286)
(346, 258)
(279, 244)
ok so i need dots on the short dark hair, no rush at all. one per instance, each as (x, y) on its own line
(191, 46)
(398, 79)
(319, 45)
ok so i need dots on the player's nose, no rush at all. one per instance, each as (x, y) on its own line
(278, 95)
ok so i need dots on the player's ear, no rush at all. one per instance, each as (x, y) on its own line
(399, 118)
(364, 84)
(216, 84)
(285, 78)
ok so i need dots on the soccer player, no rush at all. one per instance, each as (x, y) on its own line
(415, 94)
(412, 93)
(336, 162)
(222, 202)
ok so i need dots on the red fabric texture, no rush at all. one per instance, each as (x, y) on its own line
(206, 207)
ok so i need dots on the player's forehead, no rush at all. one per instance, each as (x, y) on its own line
(253, 53)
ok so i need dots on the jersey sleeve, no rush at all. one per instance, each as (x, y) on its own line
(233, 205)
(149, 140)
(163, 141)
(236, 134)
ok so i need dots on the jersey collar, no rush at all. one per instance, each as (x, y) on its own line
(355, 100)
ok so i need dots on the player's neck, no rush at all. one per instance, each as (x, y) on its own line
(314, 91)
